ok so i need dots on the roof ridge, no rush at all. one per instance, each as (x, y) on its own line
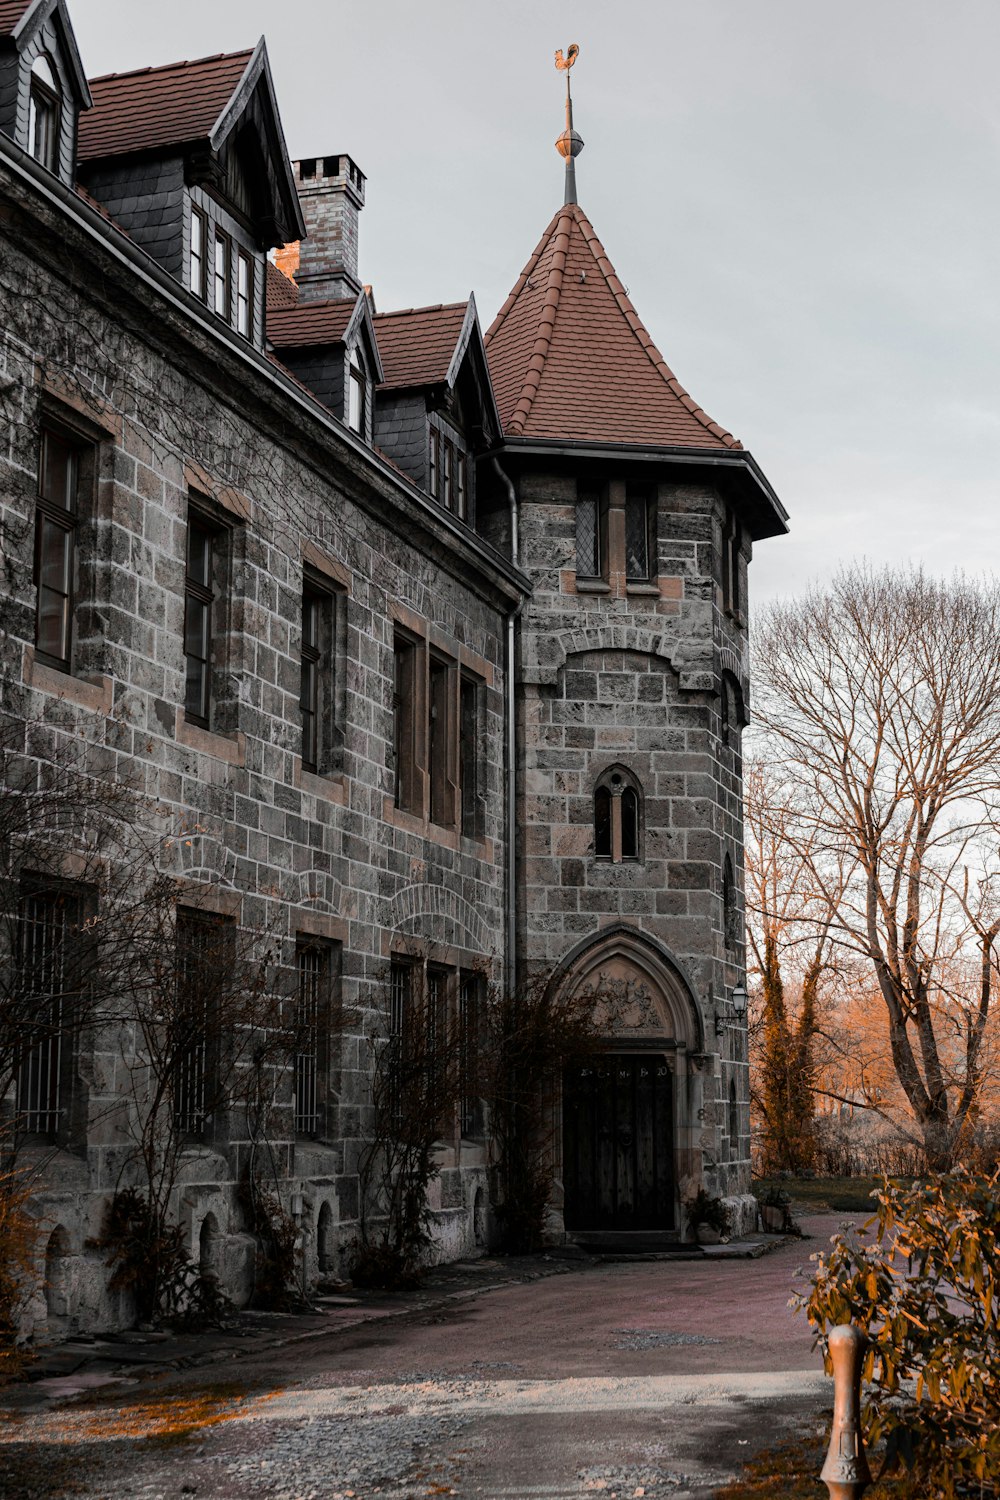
(190, 62)
(400, 312)
(640, 331)
(546, 322)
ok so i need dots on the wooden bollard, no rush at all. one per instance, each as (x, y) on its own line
(846, 1472)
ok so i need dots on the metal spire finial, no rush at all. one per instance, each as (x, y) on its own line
(569, 144)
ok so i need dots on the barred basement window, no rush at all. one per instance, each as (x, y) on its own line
(312, 961)
(639, 533)
(472, 1043)
(56, 519)
(50, 1000)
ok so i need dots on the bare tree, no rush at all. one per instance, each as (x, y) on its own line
(788, 939)
(880, 699)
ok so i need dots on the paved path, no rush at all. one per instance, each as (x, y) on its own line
(642, 1379)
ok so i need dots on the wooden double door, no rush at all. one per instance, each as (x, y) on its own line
(618, 1143)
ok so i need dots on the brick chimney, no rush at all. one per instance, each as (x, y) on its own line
(332, 193)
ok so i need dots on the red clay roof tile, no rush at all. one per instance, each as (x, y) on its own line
(11, 12)
(157, 107)
(416, 345)
(570, 358)
(309, 322)
(280, 289)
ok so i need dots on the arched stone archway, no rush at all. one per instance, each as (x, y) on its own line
(630, 1140)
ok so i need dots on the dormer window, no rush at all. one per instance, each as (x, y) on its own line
(244, 294)
(198, 239)
(356, 397)
(223, 256)
(43, 113)
(447, 473)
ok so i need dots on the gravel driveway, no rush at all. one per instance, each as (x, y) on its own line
(631, 1379)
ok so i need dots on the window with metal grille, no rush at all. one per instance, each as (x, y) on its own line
(317, 685)
(202, 952)
(312, 961)
(400, 991)
(589, 563)
(56, 518)
(638, 509)
(51, 982)
(472, 1043)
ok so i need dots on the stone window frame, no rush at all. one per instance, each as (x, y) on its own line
(595, 496)
(326, 655)
(224, 524)
(50, 1067)
(640, 507)
(732, 578)
(198, 1070)
(621, 845)
(411, 970)
(613, 499)
(427, 798)
(320, 958)
(732, 710)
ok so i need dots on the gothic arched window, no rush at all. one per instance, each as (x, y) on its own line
(732, 711)
(617, 816)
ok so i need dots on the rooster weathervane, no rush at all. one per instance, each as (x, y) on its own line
(569, 144)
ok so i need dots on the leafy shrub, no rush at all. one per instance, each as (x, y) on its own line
(922, 1280)
(381, 1266)
(18, 1245)
(708, 1212)
(149, 1260)
(275, 1284)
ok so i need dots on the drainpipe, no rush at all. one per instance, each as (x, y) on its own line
(510, 768)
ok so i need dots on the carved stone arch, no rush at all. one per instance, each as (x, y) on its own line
(732, 666)
(201, 856)
(438, 915)
(659, 996)
(319, 891)
(551, 651)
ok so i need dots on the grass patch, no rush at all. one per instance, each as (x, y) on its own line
(791, 1472)
(814, 1194)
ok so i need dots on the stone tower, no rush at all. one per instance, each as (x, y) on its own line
(636, 516)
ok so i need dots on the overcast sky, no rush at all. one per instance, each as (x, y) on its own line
(803, 199)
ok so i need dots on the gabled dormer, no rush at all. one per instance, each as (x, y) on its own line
(330, 346)
(42, 83)
(434, 411)
(190, 160)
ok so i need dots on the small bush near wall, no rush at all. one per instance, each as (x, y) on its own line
(19, 1235)
(922, 1280)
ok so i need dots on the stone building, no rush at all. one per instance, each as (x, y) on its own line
(425, 653)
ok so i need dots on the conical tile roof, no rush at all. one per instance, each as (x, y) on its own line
(569, 356)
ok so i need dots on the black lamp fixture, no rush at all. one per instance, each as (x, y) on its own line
(736, 1007)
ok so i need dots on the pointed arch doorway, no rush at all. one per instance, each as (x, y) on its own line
(627, 1140)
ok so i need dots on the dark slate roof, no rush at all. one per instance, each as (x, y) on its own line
(280, 289)
(11, 12)
(570, 357)
(303, 323)
(157, 107)
(417, 344)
